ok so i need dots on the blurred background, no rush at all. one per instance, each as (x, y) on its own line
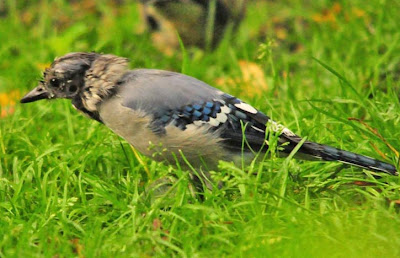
(228, 43)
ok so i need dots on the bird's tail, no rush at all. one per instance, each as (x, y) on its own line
(328, 153)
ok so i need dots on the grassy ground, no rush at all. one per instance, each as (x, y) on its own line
(70, 187)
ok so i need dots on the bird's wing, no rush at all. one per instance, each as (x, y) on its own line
(155, 91)
(173, 98)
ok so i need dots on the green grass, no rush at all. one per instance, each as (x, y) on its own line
(70, 187)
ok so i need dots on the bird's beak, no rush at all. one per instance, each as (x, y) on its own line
(37, 93)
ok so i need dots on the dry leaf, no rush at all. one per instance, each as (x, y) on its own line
(78, 248)
(359, 13)
(157, 225)
(281, 32)
(42, 66)
(362, 183)
(336, 8)
(328, 15)
(7, 102)
(253, 76)
(252, 81)
(86, 6)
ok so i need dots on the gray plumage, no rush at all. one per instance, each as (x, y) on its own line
(165, 114)
(147, 89)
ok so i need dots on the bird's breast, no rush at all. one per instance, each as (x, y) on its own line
(196, 144)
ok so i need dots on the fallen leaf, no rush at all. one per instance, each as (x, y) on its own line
(157, 225)
(43, 66)
(252, 81)
(9, 98)
(328, 15)
(358, 12)
(336, 8)
(281, 33)
(85, 6)
(362, 183)
(7, 102)
(78, 248)
(6, 111)
(253, 74)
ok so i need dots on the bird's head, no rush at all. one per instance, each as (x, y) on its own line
(78, 76)
(63, 79)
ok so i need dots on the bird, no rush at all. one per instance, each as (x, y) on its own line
(173, 117)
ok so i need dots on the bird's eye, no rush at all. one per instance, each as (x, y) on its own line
(54, 82)
(72, 88)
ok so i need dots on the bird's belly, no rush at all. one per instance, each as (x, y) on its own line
(194, 145)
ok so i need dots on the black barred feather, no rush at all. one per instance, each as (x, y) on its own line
(219, 115)
(328, 153)
(242, 119)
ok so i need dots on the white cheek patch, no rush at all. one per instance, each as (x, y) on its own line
(246, 107)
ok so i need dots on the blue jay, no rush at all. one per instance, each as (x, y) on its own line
(168, 115)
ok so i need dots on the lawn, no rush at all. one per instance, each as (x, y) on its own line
(327, 70)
